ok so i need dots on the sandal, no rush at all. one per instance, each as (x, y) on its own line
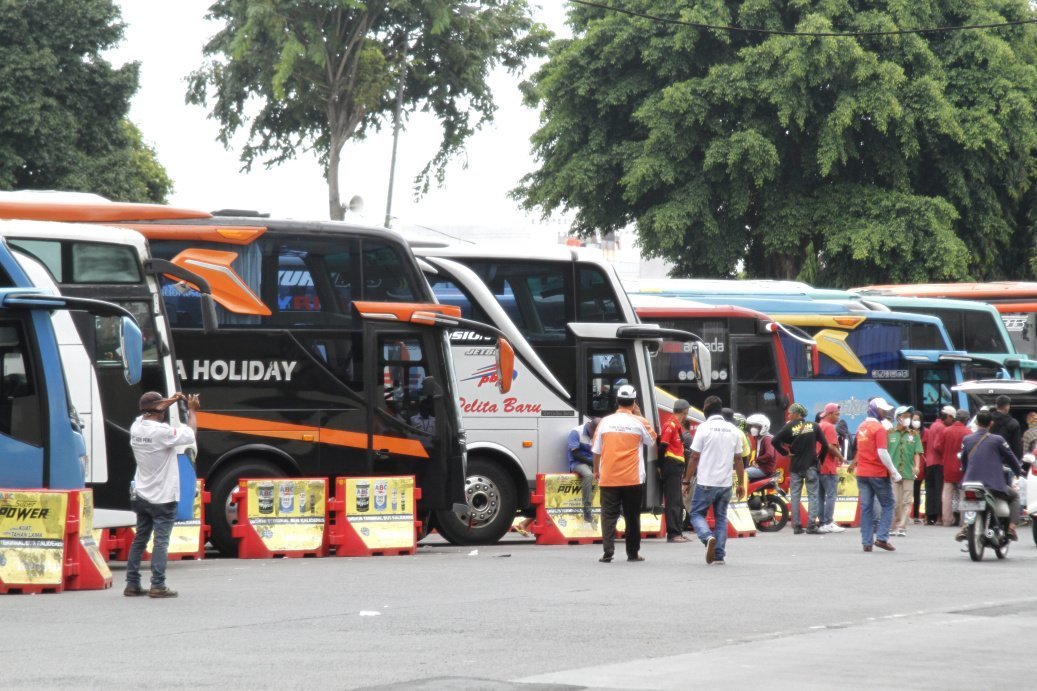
(522, 531)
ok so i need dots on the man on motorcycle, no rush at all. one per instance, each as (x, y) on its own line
(761, 455)
(983, 456)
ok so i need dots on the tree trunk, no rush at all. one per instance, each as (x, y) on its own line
(336, 211)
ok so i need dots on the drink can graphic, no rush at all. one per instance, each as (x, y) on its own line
(316, 490)
(265, 497)
(302, 498)
(394, 504)
(287, 492)
(363, 496)
(381, 494)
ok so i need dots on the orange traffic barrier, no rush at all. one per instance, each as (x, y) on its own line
(374, 516)
(281, 517)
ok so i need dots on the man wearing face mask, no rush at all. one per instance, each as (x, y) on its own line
(905, 447)
(761, 447)
(156, 486)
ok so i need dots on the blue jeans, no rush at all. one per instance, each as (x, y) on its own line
(796, 489)
(150, 517)
(870, 490)
(829, 491)
(754, 473)
(718, 498)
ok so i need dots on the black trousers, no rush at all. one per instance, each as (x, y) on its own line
(933, 493)
(673, 473)
(612, 498)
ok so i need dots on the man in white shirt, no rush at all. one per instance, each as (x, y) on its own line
(716, 454)
(156, 486)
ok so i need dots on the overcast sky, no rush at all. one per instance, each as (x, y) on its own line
(167, 40)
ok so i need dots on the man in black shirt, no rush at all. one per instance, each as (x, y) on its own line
(1007, 426)
(799, 440)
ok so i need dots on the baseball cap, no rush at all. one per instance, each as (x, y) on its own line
(626, 391)
(948, 410)
(903, 410)
(831, 408)
(798, 409)
(680, 405)
(882, 404)
(153, 401)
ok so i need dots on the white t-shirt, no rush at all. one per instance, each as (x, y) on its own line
(717, 441)
(154, 448)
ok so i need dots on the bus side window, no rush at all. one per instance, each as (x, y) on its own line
(403, 370)
(19, 402)
(382, 278)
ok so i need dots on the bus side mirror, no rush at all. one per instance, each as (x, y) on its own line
(209, 321)
(131, 346)
(702, 365)
(505, 356)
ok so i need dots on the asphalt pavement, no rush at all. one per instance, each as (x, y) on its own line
(786, 611)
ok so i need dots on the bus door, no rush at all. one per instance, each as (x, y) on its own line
(932, 389)
(21, 410)
(409, 421)
(754, 379)
(604, 367)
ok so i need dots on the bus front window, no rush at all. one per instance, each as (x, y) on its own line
(607, 371)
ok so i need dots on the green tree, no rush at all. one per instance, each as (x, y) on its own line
(841, 160)
(63, 106)
(313, 74)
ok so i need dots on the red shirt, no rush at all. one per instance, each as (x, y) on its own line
(932, 444)
(828, 467)
(871, 436)
(671, 436)
(950, 448)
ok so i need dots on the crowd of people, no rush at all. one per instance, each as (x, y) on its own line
(892, 456)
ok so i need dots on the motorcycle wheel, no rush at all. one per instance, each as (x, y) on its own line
(781, 514)
(1002, 550)
(976, 538)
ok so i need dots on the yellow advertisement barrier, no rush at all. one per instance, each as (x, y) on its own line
(739, 520)
(285, 514)
(846, 497)
(186, 535)
(86, 534)
(380, 512)
(32, 538)
(563, 504)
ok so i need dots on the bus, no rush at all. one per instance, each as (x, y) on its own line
(749, 371)
(1015, 301)
(575, 342)
(860, 353)
(113, 264)
(329, 344)
(41, 440)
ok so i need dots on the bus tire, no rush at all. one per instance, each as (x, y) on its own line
(221, 514)
(492, 499)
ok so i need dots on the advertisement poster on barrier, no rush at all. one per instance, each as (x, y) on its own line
(32, 537)
(650, 523)
(846, 497)
(288, 514)
(86, 533)
(186, 534)
(563, 501)
(381, 510)
(740, 518)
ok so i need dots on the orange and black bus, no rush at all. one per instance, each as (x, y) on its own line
(331, 357)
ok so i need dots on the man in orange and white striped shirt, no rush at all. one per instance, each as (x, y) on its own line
(619, 468)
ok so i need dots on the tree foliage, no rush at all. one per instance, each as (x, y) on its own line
(840, 160)
(313, 74)
(63, 106)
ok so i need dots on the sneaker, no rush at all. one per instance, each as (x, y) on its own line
(823, 529)
(606, 559)
(884, 544)
(134, 591)
(637, 558)
(797, 530)
(162, 592)
(812, 530)
(587, 516)
(867, 548)
(836, 528)
(677, 538)
(711, 549)
(718, 562)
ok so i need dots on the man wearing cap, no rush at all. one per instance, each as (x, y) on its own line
(581, 460)
(671, 464)
(950, 453)
(799, 440)
(934, 465)
(874, 468)
(828, 476)
(905, 448)
(156, 486)
(716, 458)
(619, 468)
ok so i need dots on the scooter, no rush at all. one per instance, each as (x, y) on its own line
(768, 504)
(1028, 492)
(985, 518)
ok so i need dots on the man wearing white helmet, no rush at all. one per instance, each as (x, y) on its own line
(874, 468)
(762, 448)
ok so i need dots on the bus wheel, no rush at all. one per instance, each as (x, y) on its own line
(492, 502)
(222, 514)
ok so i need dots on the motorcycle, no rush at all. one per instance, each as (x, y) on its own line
(1028, 492)
(985, 517)
(768, 504)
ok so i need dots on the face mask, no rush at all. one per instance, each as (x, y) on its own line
(905, 421)
(754, 431)
(917, 424)
(887, 425)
